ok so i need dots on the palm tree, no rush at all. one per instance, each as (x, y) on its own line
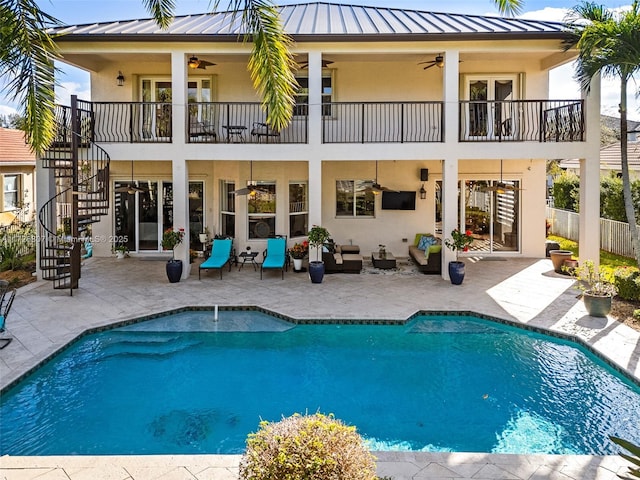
(28, 51)
(609, 44)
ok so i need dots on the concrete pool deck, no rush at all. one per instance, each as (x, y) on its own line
(526, 291)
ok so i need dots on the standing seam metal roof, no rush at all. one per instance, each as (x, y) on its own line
(326, 19)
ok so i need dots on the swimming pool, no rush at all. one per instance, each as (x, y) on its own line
(187, 384)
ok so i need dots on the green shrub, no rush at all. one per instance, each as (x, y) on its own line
(309, 447)
(627, 282)
(565, 191)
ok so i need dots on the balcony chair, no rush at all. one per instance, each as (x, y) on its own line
(220, 255)
(202, 132)
(275, 255)
(6, 300)
(262, 130)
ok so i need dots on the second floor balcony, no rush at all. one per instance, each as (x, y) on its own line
(342, 122)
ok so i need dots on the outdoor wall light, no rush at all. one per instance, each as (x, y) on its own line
(120, 79)
(423, 193)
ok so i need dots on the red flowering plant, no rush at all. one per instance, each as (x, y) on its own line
(459, 241)
(299, 250)
(171, 239)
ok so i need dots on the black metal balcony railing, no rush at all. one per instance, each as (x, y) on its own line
(382, 122)
(521, 121)
(342, 122)
(239, 122)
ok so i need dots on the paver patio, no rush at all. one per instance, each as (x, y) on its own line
(521, 290)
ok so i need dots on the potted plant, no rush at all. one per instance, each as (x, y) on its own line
(170, 240)
(204, 236)
(318, 236)
(459, 241)
(298, 252)
(121, 251)
(597, 290)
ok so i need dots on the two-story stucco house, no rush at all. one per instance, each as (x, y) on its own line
(449, 112)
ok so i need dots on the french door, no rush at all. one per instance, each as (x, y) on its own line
(492, 112)
(157, 95)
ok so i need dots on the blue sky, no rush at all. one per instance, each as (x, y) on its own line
(74, 81)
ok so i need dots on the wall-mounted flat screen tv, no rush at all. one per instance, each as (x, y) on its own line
(398, 200)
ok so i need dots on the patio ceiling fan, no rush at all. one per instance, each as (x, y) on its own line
(376, 188)
(131, 189)
(251, 189)
(501, 186)
(195, 62)
(325, 64)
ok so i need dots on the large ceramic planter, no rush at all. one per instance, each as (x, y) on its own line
(597, 305)
(316, 271)
(456, 272)
(558, 257)
(174, 270)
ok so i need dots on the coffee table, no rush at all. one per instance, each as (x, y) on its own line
(389, 261)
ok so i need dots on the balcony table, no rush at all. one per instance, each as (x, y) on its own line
(235, 133)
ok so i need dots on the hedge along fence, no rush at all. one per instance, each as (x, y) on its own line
(615, 237)
(16, 241)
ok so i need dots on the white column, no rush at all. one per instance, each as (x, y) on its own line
(315, 138)
(180, 169)
(449, 209)
(450, 212)
(45, 189)
(589, 237)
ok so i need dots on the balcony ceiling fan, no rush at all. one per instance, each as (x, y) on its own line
(437, 61)
(376, 188)
(195, 62)
(251, 189)
(131, 189)
(325, 64)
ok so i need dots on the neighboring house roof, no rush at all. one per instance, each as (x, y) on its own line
(610, 158)
(13, 148)
(330, 21)
(614, 123)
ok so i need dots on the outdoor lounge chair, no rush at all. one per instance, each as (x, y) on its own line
(275, 255)
(220, 255)
(8, 294)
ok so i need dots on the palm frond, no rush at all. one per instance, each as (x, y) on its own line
(27, 54)
(271, 64)
(161, 10)
(509, 7)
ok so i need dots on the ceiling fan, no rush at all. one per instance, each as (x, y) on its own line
(251, 189)
(325, 64)
(194, 62)
(437, 61)
(376, 188)
(131, 189)
(501, 186)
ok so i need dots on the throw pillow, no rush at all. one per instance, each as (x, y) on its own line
(425, 242)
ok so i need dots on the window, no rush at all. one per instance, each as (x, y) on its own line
(354, 198)
(302, 95)
(11, 192)
(298, 210)
(262, 210)
(227, 209)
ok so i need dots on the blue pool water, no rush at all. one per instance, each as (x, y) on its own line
(186, 384)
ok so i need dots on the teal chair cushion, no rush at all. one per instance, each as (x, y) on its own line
(220, 253)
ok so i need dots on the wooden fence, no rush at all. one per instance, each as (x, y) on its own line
(615, 237)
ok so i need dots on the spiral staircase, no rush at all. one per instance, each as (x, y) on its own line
(81, 172)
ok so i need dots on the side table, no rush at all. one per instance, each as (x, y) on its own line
(389, 261)
(248, 257)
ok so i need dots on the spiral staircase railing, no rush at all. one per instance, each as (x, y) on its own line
(81, 172)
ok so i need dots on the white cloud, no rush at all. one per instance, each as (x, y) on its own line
(65, 89)
(549, 14)
(7, 110)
